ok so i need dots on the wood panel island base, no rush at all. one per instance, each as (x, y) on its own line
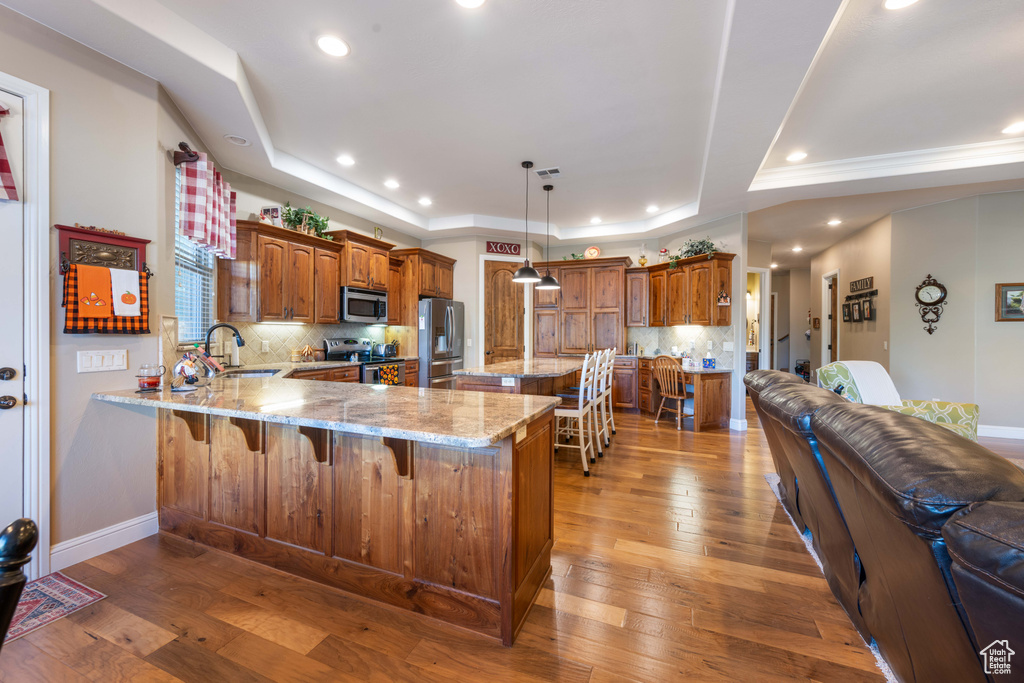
(458, 533)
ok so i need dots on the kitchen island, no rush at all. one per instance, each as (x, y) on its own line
(538, 376)
(438, 502)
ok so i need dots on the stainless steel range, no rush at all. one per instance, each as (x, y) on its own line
(374, 368)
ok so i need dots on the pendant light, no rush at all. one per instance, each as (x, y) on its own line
(548, 282)
(527, 273)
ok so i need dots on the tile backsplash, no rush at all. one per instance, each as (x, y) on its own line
(664, 338)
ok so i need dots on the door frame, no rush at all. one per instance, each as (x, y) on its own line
(482, 306)
(775, 330)
(826, 305)
(36, 410)
(764, 312)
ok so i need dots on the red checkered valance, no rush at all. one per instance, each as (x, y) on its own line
(206, 207)
(7, 188)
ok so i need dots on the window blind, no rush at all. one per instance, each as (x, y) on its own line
(193, 281)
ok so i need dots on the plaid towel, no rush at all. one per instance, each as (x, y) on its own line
(7, 187)
(74, 323)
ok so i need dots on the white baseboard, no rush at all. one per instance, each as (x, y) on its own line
(1001, 432)
(738, 425)
(113, 537)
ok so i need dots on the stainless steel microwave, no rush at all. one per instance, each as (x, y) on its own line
(364, 306)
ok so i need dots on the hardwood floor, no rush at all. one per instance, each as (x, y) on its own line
(672, 561)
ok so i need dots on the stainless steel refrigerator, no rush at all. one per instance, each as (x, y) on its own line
(442, 342)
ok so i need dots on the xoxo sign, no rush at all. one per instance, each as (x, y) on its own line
(510, 248)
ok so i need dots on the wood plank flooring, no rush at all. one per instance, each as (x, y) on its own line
(672, 561)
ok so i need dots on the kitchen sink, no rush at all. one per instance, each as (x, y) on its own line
(242, 372)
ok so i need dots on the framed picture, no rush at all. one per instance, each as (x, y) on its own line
(847, 314)
(868, 310)
(855, 312)
(272, 215)
(1009, 302)
(817, 323)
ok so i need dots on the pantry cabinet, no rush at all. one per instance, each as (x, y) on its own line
(587, 314)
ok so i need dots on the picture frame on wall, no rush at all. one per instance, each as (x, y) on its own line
(847, 314)
(1009, 302)
(868, 309)
(855, 312)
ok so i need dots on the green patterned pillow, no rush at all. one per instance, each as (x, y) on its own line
(837, 378)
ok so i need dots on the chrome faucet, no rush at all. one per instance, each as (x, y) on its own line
(238, 337)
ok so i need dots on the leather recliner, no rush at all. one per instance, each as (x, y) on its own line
(757, 381)
(789, 409)
(986, 544)
(898, 479)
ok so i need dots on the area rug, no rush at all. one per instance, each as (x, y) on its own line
(774, 483)
(46, 600)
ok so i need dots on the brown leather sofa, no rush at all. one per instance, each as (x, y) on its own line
(757, 381)
(903, 489)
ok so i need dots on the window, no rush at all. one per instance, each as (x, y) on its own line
(194, 269)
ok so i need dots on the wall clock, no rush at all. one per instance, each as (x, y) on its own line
(930, 297)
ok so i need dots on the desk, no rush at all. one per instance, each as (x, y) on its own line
(538, 377)
(712, 394)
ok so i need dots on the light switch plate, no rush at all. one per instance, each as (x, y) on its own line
(102, 361)
(508, 381)
(711, 345)
(469, 342)
(264, 346)
(727, 346)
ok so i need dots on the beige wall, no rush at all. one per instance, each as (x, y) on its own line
(968, 245)
(759, 254)
(799, 303)
(865, 253)
(108, 167)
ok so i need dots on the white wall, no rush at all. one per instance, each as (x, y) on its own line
(799, 303)
(968, 245)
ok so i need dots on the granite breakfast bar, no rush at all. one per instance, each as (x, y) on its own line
(538, 376)
(438, 502)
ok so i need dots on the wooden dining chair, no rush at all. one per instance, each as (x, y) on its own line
(669, 375)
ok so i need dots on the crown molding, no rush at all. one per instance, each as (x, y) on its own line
(952, 158)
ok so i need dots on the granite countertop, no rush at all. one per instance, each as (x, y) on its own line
(288, 367)
(537, 367)
(466, 419)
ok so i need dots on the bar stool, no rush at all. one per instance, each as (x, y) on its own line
(575, 416)
(606, 397)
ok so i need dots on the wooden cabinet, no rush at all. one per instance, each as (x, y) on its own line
(285, 280)
(423, 274)
(412, 373)
(637, 298)
(658, 309)
(688, 293)
(645, 385)
(327, 297)
(394, 291)
(279, 275)
(345, 374)
(624, 383)
(547, 298)
(588, 313)
(364, 261)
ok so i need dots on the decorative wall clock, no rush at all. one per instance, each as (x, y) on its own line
(930, 297)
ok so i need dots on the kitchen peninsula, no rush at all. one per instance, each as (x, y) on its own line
(434, 501)
(539, 376)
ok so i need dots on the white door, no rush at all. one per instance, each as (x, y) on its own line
(12, 323)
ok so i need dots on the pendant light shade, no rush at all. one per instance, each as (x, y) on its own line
(527, 273)
(548, 281)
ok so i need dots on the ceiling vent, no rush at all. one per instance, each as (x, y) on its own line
(548, 173)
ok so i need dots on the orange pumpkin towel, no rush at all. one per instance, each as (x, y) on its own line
(125, 285)
(94, 292)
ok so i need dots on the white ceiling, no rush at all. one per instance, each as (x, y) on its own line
(691, 106)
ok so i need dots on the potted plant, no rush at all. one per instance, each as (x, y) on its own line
(305, 220)
(694, 247)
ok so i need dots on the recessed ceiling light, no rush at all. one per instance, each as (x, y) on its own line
(237, 140)
(346, 160)
(425, 201)
(333, 45)
(798, 249)
(834, 221)
(898, 4)
(391, 183)
(470, 4)
(1014, 128)
(595, 220)
(797, 156)
(774, 265)
(653, 208)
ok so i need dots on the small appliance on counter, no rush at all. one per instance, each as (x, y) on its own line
(374, 366)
